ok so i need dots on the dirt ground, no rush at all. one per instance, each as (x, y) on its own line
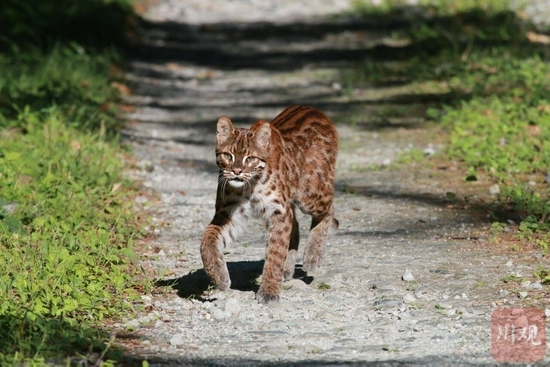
(413, 274)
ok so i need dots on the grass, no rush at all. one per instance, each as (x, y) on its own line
(66, 228)
(490, 95)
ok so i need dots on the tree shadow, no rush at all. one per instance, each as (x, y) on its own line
(346, 43)
(244, 277)
(38, 24)
(478, 211)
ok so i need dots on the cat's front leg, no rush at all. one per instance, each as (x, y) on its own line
(212, 257)
(280, 229)
(221, 232)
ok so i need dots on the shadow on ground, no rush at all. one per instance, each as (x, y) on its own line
(341, 43)
(243, 274)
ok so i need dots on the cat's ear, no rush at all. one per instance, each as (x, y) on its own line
(262, 135)
(224, 129)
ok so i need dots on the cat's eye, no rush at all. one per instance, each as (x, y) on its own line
(250, 160)
(226, 156)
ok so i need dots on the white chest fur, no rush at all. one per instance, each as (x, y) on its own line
(265, 202)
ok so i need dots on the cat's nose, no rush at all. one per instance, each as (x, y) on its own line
(237, 171)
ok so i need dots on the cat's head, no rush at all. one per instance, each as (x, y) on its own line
(241, 154)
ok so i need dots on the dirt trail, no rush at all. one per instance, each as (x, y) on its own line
(200, 60)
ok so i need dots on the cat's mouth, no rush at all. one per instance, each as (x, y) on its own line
(236, 182)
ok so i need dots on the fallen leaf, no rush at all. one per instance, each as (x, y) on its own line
(538, 38)
(116, 187)
(126, 108)
(533, 130)
(75, 144)
(173, 66)
(122, 88)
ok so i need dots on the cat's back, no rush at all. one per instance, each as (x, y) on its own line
(305, 123)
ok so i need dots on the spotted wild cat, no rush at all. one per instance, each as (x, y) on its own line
(268, 171)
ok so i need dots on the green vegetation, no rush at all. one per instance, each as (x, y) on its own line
(486, 73)
(511, 278)
(66, 230)
(322, 286)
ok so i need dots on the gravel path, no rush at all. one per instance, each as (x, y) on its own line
(408, 279)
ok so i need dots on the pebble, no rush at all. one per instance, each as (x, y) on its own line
(232, 306)
(409, 298)
(407, 276)
(494, 190)
(177, 339)
(218, 314)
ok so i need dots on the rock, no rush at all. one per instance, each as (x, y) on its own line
(536, 285)
(494, 190)
(387, 303)
(510, 263)
(407, 276)
(177, 339)
(429, 151)
(502, 293)
(141, 199)
(522, 295)
(409, 298)
(134, 324)
(218, 314)
(232, 306)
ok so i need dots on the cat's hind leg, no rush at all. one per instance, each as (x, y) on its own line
(280, 229)
(290, 261)
(317, 240)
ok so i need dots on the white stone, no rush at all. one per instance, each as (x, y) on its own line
(232, 306)
(177, 339)
(133, 324)
(409, 298)
(407, 276)
(494, 190)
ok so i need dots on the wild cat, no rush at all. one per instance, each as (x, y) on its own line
(268, 171)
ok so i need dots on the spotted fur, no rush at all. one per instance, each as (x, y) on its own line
(268, 171)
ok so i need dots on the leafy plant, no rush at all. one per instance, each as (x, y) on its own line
(66, 229)
(543, 274)
(490, 87)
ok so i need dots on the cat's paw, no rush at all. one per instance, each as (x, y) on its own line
(223, 286)
(221, 279)
(264, 297)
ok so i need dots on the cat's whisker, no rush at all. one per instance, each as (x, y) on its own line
(223, 183)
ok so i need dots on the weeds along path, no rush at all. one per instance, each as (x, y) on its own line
(250, 60)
